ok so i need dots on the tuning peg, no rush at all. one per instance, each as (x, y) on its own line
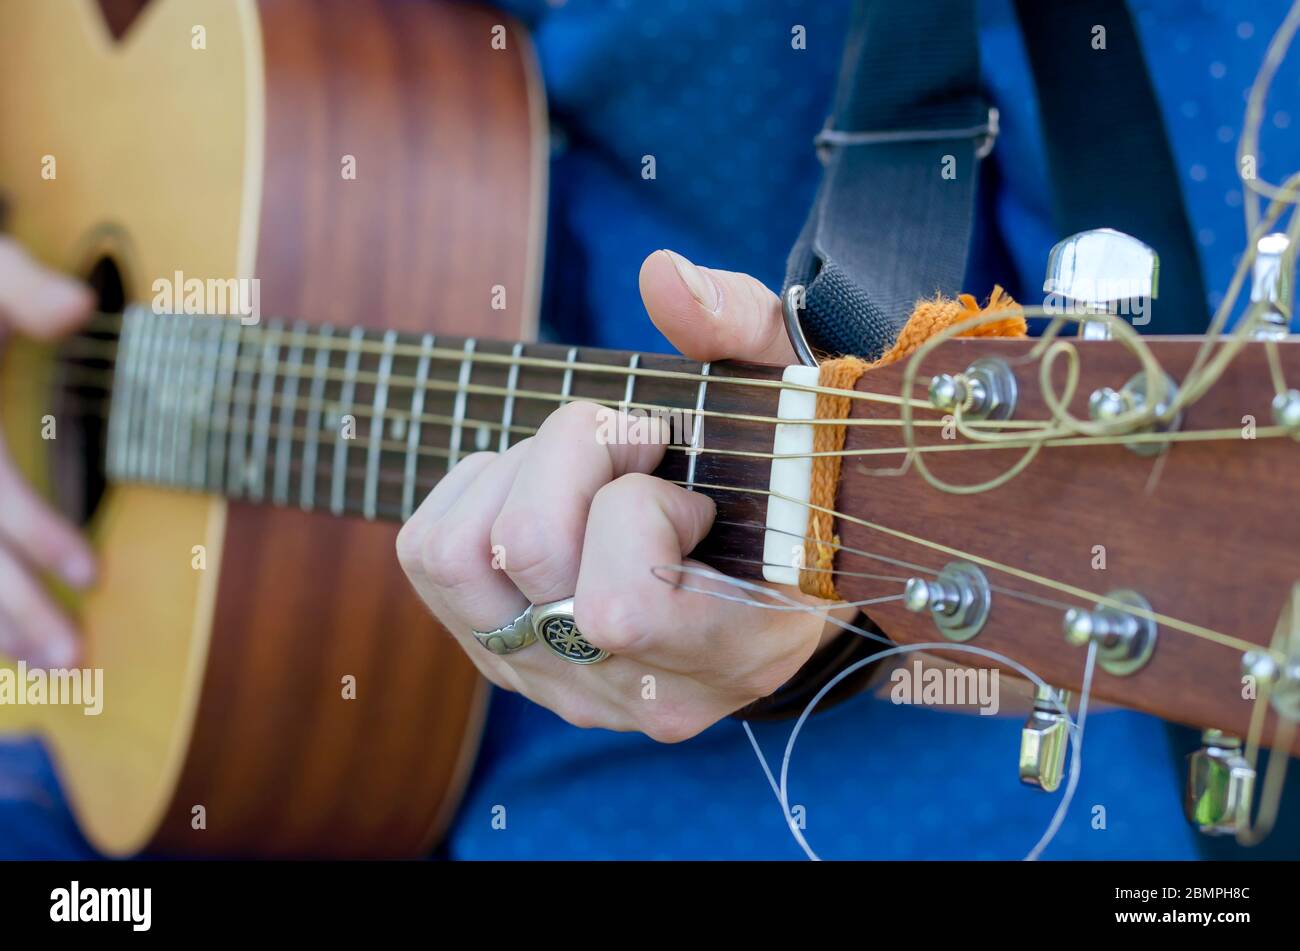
(958, 599)
(1043, 740)
(1101, 272)
(1271, 284)
(1282, 680)
(1219, 785)
(1125, 642)
(985, 390)
(1286, 410)
(1107, 404)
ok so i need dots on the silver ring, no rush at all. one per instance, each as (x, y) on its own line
(511, 637)
(553, 624)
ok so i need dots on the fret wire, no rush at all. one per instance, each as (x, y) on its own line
(201, 420)
(237, 473)
(632, 364)
(159, 393)
(261, 437)
(458, 413)
(154, 370)
(149, 329)
(190, 379)
(338, 483)
(288, 409)
(697, 434)
(216, 343)
(124, 389)
(508, 406)
(566, 388)
(180, 397)
(315, 407)
(413, 430)
(227, 367)
(378, 408)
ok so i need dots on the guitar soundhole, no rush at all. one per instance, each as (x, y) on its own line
(83, 397)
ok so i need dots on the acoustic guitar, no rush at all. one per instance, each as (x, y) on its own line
(1034, 495)
(378, 166)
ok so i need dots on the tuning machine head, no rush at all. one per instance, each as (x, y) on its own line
(1125, 642)
(1272, 285)
(1219, 785)
(958, 599)
(1102, 271)
(1107, 404)
(985, 390)
(1044, 739)
(1282, 679)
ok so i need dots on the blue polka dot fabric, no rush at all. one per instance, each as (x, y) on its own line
(688, 125)
(735, 173)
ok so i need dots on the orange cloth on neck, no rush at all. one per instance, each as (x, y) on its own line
(929, 317)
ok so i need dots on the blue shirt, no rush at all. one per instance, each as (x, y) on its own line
(715, 92)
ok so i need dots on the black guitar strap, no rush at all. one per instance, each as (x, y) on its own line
(893, 216)
(1109, 158)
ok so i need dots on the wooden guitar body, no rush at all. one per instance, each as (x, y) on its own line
(229, 634)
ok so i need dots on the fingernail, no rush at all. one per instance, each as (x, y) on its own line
(701, 286)
(77, 570)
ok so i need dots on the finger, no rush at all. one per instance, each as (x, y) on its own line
(448, 554)
(39, 302)
(541, 525)
(713, 315)
(40, 535)
(443, 496)
(631, 603)
(41, 633)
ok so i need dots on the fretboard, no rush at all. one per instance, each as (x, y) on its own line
(359, 422)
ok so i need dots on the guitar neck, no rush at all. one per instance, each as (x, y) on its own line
(358, 422)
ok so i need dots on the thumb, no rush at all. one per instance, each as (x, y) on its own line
(713, 315)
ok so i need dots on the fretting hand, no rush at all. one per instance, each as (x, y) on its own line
(573, 517)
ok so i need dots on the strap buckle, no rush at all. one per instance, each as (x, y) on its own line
(792, 302)
(986, 133)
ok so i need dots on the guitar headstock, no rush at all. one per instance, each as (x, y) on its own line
(1143, 497)
(1205, 530)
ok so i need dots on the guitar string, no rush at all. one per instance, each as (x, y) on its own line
(1196, 383)
(1195, 630)
(781, 788)
(1248, 144)
(1205, 373)
(254, 335)
(103, 380)
(1062, 422)
(248, 397)
(896, 562)
(1165, 437)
